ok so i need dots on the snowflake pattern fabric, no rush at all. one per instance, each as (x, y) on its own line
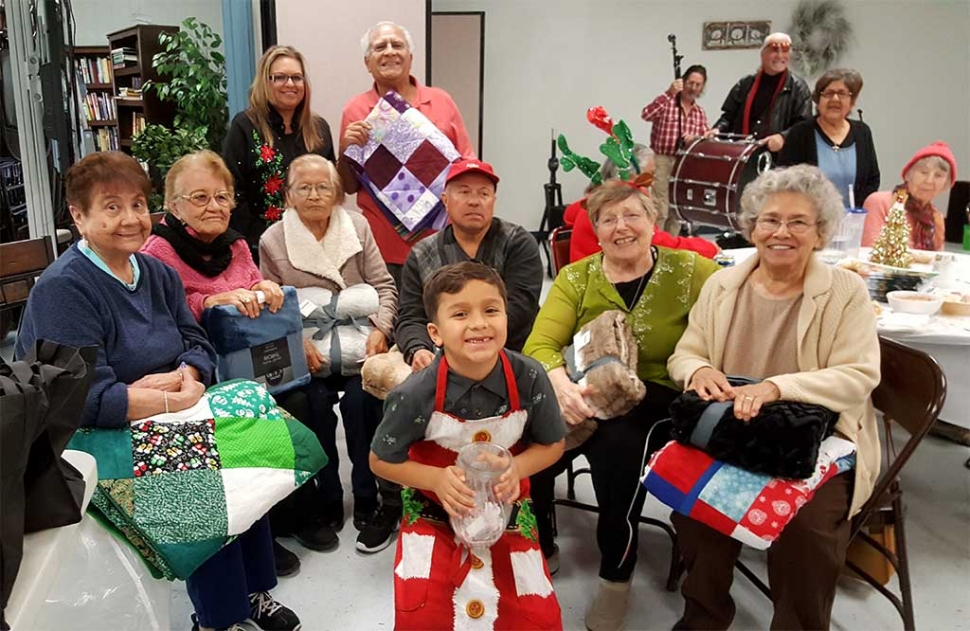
(753, 508)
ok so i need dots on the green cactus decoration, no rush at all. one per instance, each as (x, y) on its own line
(572, 161)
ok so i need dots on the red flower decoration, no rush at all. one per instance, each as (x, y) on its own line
(267, 153)
(273, 213)
(273, 184)
(600, 119)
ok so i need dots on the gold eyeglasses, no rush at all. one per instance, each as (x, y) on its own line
(201, 199)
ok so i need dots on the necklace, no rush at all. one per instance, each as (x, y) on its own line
(641, 284)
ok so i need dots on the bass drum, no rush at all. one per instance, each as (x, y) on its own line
(708, 177)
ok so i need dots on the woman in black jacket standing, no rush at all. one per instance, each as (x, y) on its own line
(841, 148)
(277, 127)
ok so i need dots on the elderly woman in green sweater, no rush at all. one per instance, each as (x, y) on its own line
(655, 287)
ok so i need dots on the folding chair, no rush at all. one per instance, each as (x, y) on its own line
(560, 238)
(911, 395)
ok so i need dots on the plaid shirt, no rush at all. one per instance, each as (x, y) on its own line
(662, 112)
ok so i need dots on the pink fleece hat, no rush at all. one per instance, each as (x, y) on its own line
(939, 149)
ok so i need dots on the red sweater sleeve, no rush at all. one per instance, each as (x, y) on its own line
(696, 244)
(584, 241)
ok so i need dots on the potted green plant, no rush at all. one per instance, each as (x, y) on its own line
(195, 73)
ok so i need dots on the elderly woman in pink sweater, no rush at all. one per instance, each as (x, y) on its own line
(217, 268)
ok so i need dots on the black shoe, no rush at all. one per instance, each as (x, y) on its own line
(378, 531)
(233, 627)
(364, 511)
(333, 515)
(270, 615)
(553, 560)
(317, 536)
(287, 563)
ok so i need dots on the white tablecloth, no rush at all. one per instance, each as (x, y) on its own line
(945, 338)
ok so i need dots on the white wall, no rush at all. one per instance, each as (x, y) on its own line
(547, 62)
(96, 18)
(328, 33)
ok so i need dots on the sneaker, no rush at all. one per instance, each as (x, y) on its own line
(233, 627)
(333, 515)
(269, 615)
(552, 561)
(364, 511)
(378, 531)
(608, 610)
(287, 563)
(317, 536)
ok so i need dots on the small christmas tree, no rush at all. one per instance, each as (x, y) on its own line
(892, 245)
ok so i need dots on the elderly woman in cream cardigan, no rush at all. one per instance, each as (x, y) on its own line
(320, 245)
(808, 331)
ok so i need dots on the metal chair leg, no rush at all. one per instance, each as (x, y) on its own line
(905, 582)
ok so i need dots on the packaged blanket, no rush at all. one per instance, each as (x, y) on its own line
(180, 486)
(338, 325)
(403, 165)
(782, 440)
(384, 372)
(753, 508)
(267, 349)
(604, 356)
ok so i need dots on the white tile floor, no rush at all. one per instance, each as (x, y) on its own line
(345, 590)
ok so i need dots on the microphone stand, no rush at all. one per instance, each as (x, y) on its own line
(552, 215)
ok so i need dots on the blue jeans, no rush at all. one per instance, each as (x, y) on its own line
(220, 588)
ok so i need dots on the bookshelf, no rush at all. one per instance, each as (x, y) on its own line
(96, 99)
(131, 51)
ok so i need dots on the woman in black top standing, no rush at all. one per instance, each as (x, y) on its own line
(277, 127)
(841, 147)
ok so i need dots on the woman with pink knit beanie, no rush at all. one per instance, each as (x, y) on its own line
(927, 173)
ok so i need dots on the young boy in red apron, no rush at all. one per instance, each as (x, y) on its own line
(476, 391)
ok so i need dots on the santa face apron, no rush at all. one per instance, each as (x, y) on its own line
(438, 582)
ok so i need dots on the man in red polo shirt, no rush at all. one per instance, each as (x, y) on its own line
(388, 55)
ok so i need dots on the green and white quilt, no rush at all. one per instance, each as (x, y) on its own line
(179, 486)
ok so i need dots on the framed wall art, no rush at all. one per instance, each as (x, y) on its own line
(734, 35)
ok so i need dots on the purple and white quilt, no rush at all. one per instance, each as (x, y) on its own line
(404, 165)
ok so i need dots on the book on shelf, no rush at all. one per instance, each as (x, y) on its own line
(138, 123)
(94, 69)
(105, 139)
(129, 93)
(123, 57)
(100, 106)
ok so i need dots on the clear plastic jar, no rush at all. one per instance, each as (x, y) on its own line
(483, 464)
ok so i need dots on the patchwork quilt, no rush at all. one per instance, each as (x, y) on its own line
(180, 486)
(404, 165)
(753, 508)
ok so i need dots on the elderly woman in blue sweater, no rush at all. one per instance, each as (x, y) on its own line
(152, 357)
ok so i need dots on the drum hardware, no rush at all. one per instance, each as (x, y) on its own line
(709, 176)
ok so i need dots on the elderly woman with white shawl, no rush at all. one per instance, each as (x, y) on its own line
(329, 254)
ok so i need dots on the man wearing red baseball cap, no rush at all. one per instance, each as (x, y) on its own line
(473, 234)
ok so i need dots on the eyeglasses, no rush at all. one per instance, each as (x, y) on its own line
(281, 79)
(695, 85)
(630, 219)
(795, 226)
(831, 94)
(201, 199)
(303, 190)
(780, 47)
